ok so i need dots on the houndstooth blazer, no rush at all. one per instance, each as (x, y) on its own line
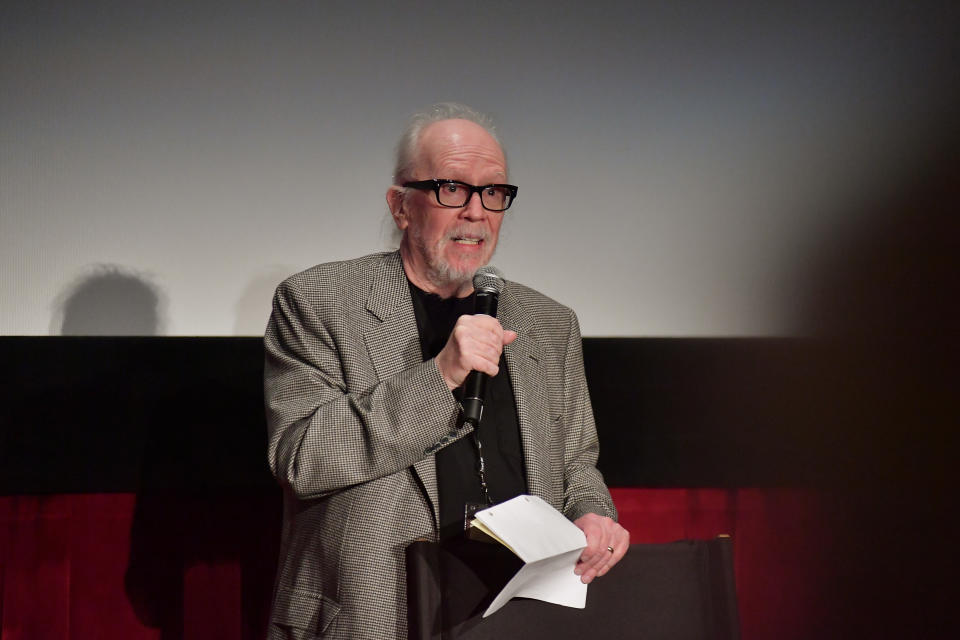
(355, 417)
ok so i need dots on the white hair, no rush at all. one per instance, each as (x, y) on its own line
(410, 138)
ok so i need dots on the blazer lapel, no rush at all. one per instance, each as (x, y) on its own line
(393, 344)
(525, 363)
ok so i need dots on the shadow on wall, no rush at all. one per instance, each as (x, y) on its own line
(253, 308)
(110, 300)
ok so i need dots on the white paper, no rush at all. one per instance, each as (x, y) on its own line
(547, 542)
(551, 580)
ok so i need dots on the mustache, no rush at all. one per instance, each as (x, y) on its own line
(468, 232)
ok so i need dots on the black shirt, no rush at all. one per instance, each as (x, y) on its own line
(499, 432)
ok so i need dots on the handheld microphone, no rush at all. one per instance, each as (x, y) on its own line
(488, 283)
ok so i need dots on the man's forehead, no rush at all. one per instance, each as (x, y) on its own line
(455, 128)
(459, 140)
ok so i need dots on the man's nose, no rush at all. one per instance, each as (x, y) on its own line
(474, 210)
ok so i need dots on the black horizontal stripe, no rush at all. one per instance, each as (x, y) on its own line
(118, 414)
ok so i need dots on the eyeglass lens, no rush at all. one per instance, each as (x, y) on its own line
(452, 194)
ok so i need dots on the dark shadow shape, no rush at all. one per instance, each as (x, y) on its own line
(110, 301)
(881, 402)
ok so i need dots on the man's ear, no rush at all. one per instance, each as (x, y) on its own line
(395, 202)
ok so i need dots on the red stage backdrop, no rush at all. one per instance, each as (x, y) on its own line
(86, 566)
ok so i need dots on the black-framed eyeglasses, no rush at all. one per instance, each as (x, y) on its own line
(455, 194)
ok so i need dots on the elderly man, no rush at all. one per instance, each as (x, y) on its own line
(364, 359)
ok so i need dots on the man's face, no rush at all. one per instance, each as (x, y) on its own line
(442, 247)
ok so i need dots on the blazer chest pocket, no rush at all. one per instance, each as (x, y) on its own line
(305, 614)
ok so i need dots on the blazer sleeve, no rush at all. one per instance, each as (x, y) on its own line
(326, 434)
(584, 489)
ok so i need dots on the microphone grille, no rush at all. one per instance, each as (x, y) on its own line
(488, 280)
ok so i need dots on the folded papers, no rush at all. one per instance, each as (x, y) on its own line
(547, 542)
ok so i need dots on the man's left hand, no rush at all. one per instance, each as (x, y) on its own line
(603, 534)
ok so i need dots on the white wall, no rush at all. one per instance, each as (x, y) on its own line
(680, 165)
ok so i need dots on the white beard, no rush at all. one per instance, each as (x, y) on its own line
(440, 272)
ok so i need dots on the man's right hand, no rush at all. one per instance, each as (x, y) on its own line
(475, 344)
